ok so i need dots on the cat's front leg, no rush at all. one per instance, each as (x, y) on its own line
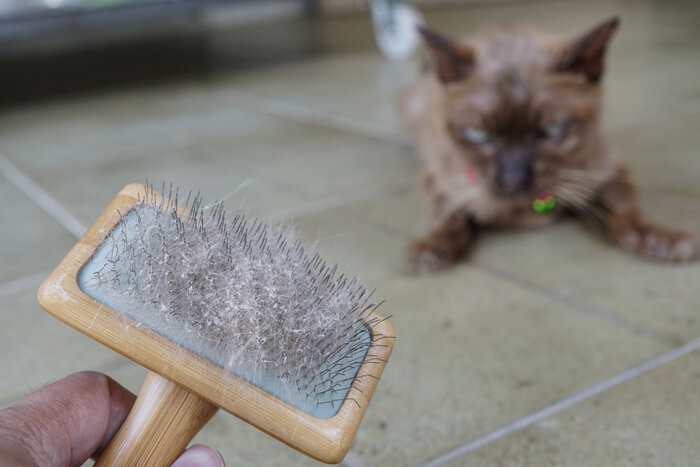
(444, 246)
(617, 207)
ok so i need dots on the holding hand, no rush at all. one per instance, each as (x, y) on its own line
(72, 420)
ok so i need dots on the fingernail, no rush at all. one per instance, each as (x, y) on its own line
(200, 456)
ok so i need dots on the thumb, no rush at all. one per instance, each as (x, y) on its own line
(199, 456)
(66, 422)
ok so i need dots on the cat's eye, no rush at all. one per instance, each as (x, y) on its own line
(555, 131)
(474, 135)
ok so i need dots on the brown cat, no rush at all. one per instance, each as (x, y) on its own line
(507, 129)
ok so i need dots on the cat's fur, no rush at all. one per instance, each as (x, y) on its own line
(536, 99)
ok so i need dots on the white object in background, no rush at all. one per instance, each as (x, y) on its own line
(395, 28)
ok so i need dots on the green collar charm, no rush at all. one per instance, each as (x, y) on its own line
(544, 203)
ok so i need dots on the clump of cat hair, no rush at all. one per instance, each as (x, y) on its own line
(243, 294)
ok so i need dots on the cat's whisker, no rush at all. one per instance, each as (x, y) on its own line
(589, 213)
(588, 172)
(589, 210)
(592, 178)
(573, 194)
(579, 188)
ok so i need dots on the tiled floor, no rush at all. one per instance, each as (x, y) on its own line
(483, 351)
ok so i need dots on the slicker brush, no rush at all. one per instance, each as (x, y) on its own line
(225, 312)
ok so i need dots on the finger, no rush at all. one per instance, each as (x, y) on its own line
(66, 422)
(199, 456)
(120, 403)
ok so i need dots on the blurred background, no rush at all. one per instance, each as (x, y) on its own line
(84, 44)
(544, 348)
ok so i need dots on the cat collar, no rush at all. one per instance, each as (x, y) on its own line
(542, 204)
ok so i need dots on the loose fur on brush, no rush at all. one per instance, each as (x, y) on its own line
(243, 294)
(507, 115)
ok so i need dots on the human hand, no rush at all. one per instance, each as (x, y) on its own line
(67, 422)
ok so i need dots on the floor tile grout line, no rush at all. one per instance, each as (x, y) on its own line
(563, 404)
(23, 283)
(574, 304)
(308, 115)
(550, 294)
(40, 197)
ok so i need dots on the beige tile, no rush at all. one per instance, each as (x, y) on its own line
(675, 23)
(171, 134)
(474, 352)
(579, 265)
(635, 98)
(648, 421)
(34, 132)
(31, 242)
(662, 155)
(565, 351)
(36, 348)
(401, 211)
(289, 163)
(319, 161)
(361, 86)
(359, 248)
(86, 191)
(99, 130)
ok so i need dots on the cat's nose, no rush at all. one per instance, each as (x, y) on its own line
(514, 177)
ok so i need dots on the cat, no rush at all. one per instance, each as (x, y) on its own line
(507, 126)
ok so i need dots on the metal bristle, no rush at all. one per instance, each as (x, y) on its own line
(249, 290)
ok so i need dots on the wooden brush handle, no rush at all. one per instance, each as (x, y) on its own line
(159, 427)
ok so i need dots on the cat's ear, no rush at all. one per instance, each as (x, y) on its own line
(586, 53)
(454, 61)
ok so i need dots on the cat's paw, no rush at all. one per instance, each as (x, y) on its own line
(425, 257)
(659, 244)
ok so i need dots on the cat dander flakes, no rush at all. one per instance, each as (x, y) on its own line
(507, 125)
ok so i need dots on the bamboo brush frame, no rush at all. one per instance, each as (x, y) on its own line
(327, 440)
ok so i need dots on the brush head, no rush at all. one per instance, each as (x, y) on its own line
(238, 304)
(244, 295)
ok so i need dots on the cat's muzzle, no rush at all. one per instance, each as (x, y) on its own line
(514, 177)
